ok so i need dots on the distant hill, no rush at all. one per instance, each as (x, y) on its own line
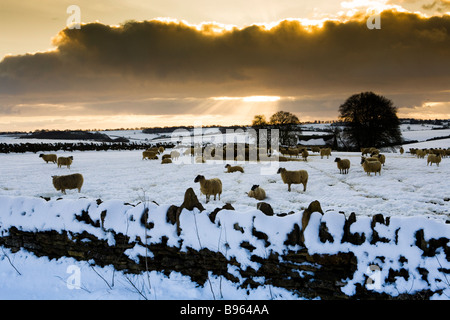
(73, 135)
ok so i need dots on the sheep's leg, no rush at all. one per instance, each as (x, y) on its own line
(304, 186)
(289, 187)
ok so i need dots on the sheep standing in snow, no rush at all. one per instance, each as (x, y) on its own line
(174, 155)
(371, 165)
(402, 150)
(234, 168)
(209, 186)
(151, 155)
(432, 158)
(257, 192)
(65, 161)
(325, 152)
(343, 165)
(294, 177)
(305, 154)
(48, 157)
(72, 181)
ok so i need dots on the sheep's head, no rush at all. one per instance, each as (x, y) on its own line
(337, 159)
(41, 155)
(363, 159)
(227, 165)
(255, 186)
(280, 170)
(198, 178)
(71, 157)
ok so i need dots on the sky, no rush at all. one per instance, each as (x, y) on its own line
(173, 62)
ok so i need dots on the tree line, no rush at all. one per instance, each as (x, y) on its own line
(368, 120)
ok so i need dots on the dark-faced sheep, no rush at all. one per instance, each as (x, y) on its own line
(234, 168)
(257, 192)
(209, 187)
(379, 156)
(343, 165)
(48, 157)
(294, 177)
(65, 161)
(71, 181)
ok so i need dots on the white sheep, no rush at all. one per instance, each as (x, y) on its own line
(432, 158)
(257, 192)
(343, 165)
(65, 161)
(48, 157)
(174, 155)
(71, 181)
(234, 168)
(371, 165)
(294, 177)
(209, 186)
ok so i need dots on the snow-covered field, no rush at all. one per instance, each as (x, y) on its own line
(406, 189)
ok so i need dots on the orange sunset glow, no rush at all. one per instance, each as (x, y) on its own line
(166, 63)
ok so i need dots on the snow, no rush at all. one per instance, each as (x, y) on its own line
(414, 196)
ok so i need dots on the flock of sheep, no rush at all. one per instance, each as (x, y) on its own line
(213, 186)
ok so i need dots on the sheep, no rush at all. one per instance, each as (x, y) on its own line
(166, 156)
(420, 154)
(371, 165)
(160, 149)
(402, 150)
(65, 161)
(72, 181)
(380, 157)
(209, 186)
(151, 155)
(315, 149)
(174, 155)
(166, 160)
(305, 154)
(257, 192)
(48, 157)
(234, 168)
(294, 177)
(343, 165)
(365, 151)
(293, 152)
(325, 152)
(432, 158)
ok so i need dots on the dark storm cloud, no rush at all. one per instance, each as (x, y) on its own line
(408, 56)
